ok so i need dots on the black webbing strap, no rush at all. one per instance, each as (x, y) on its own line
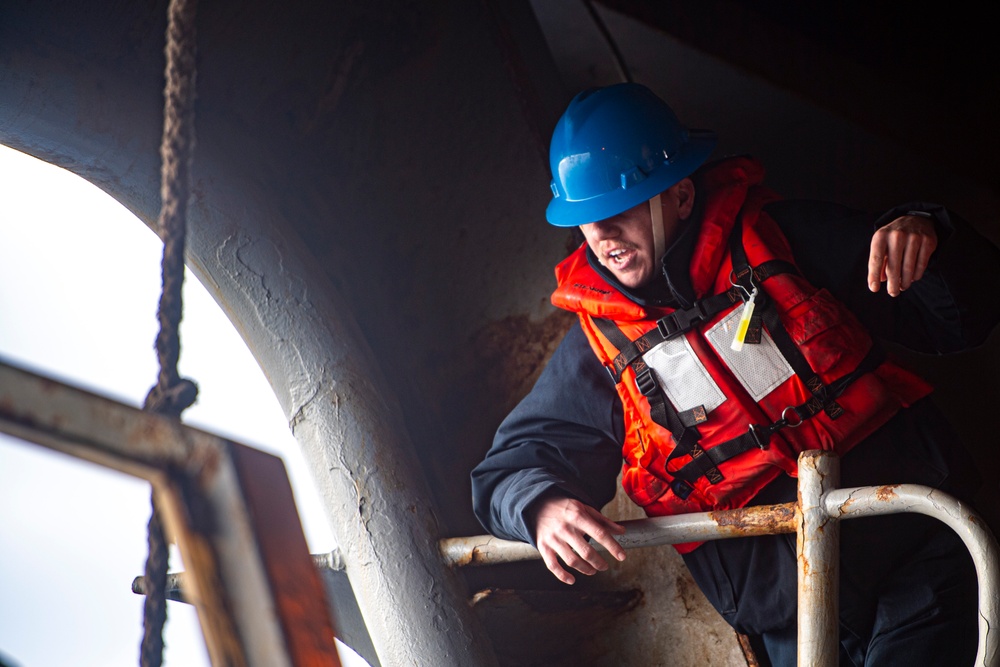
(760, 436)
(628, 350)
(614, 335)
(771, 267)
(680, 424)
(787, 347)
(680, 321)
(683, 320)
(769, 315)
(661, 410)
(670, 326)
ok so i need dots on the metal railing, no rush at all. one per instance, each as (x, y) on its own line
(259, 596)
(816, 521)
(248, 555)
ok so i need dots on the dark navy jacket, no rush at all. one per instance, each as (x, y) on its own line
(564, 438)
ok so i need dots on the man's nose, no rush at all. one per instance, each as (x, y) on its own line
(605, 229)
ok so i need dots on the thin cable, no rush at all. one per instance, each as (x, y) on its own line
(616, 54)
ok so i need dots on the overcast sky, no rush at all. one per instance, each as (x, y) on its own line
(79, 285)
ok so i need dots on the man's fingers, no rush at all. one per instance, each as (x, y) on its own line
(576, 552)
(908, 255)
(582, 557)
(555, 567)
(603, 533)
(900, 252)
(876, 262)
(911, 270)
(895, 249)
(924, 253)
(562, 527)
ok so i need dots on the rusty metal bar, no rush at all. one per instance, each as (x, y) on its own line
(176, 580)
(818, 549)
(971, 527)
(823, 507)
(657, 531)
(259, 598)
(351, 628)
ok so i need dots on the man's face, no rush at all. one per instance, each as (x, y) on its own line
(624, 243)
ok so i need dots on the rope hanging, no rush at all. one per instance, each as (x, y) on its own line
(171, 394)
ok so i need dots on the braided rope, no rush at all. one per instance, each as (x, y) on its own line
(171, 394)
(155, 607)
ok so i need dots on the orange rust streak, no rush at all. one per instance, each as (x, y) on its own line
(884, 493)
(760, 520)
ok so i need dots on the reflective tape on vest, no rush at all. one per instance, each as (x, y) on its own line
(760, 367)
(683, 377)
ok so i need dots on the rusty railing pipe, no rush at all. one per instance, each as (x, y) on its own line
(823, 508)
(971, 528)
(817, 551)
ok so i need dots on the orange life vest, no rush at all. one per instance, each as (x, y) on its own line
(707, 427)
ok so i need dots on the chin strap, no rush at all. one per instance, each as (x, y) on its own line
(656, 216)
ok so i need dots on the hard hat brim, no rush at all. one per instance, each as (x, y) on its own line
(569, 213)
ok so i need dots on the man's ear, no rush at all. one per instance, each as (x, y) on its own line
(682, 193)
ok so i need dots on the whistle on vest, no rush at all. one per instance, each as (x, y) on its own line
(743, 326)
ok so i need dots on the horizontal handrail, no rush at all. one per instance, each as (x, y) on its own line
(833, 505)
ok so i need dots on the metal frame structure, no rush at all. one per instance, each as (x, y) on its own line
(230, 508)
(815, 519)
(259, 595)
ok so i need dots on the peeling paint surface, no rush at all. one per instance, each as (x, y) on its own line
(760, 519)
(885, 493)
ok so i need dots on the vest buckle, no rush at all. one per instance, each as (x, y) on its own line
(646, 383)
(668, 326)
(761, 436)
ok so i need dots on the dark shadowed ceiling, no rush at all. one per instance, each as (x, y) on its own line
(911, 72)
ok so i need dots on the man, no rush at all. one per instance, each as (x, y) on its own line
(713, 346)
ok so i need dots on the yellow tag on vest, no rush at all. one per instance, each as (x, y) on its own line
(744, 323)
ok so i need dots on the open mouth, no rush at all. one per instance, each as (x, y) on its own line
(619, 258)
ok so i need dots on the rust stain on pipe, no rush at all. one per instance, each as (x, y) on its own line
(804, 567)
(476, 556)
(759, 520)
(465, 550)
(885, 493)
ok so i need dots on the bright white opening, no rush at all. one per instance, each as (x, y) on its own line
(79, 286)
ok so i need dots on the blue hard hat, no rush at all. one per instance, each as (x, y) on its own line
(616, 147)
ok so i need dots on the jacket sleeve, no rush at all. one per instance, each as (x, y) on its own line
(954, 307)
(563, 439)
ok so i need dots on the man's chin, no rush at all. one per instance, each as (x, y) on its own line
(630, 279)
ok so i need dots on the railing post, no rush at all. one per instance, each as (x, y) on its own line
(818, 547)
